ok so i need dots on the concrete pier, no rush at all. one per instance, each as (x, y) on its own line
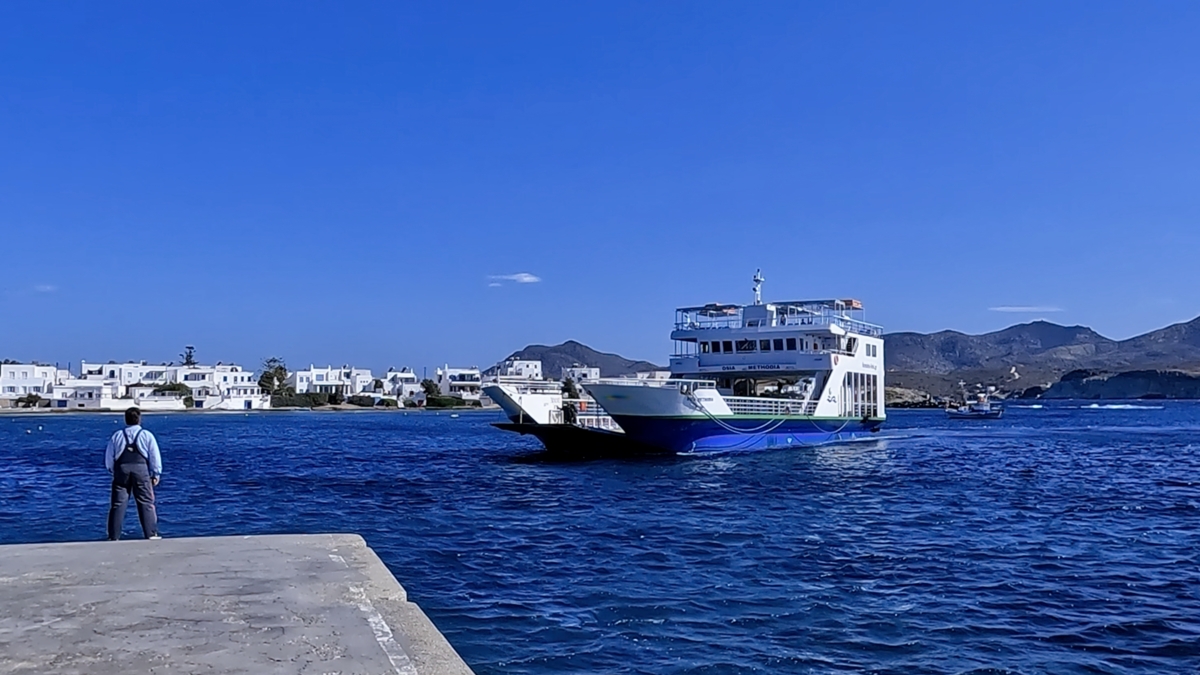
(312, 604)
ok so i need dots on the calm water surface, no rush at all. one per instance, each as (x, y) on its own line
(1064, 539)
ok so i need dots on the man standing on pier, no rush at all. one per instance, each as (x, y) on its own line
(132, 457)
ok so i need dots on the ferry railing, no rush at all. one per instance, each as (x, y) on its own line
(794, 320)
(776, 407)
(532, 386)
(719, 355)
(662, 384)
(588, 414)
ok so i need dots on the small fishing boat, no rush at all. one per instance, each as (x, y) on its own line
(981, 408)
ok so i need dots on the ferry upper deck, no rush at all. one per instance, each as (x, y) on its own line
(794, 336)
(848, 315)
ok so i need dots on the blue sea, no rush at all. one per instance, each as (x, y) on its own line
(1062, 539)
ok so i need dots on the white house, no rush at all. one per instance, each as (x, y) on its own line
(22, 379)
(222, 387)
(93, 394)
(520, 369)
(403, 383)
(464, 383)
(126, 374)
(18, 380)
(580, 374)
(328, 380)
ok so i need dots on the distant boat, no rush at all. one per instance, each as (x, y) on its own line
(980, 409)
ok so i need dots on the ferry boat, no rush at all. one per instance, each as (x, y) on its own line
(759, 376)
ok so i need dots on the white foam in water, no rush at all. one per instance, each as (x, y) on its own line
(1122, 406)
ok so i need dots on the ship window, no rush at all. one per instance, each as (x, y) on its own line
(778, 344)
(703, 347)
(764, 345)
(716, 347)
(745, 345)
(791, 344)
(728, 346)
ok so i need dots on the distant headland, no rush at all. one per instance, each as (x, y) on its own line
(1043, 359)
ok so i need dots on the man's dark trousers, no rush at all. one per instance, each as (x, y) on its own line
(131, 474)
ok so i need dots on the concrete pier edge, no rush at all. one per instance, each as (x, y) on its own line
(270, 603)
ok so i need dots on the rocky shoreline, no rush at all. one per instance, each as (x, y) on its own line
(1134, 384)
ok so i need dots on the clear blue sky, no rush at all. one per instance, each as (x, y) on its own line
(340, 182)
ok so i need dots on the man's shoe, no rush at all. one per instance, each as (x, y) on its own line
(156, 537)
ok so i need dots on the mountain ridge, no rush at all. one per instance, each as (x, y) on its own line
(572, 352)
(1037, 352)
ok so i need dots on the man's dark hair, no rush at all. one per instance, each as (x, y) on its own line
(133, 416)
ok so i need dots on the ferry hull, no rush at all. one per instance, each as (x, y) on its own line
(692, 434)
(567, 441)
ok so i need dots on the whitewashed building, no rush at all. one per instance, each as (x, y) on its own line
(402, 384)
(520, 369)
(465, 383)
(95, 393)
(117, 386)
(580, 374)
(22, 379)
(127, 374)
(222, 387)
(328, 380)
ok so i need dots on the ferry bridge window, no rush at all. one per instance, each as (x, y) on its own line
(745, 346)
(791, 344)
(778, 344)
(728, 346)
(716, 347)
(703, 347)
(764, 345)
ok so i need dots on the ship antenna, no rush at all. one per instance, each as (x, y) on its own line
(758, 282)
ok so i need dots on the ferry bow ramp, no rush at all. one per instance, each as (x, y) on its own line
(260, 604)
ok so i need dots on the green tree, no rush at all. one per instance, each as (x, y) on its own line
(430, 387)
(188, 355)
(173, 388)
(29, 401)
(274, 377)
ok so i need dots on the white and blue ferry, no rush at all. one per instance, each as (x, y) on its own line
(757, 376)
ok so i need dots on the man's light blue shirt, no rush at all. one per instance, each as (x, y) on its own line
(146, 444)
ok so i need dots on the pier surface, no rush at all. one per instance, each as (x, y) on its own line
(264, 604)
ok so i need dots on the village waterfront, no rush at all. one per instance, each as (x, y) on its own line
(1061, 539)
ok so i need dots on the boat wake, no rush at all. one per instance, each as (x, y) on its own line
(1120, 406)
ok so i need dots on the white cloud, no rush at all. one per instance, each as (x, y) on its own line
(495, 284)
(519, 277)
(1025, 309)
(45, 288)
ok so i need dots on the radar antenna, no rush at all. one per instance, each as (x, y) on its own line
(758, 282)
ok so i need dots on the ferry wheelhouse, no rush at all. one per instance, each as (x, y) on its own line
(758, 376)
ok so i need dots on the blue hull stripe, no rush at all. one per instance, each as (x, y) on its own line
(730, 434)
